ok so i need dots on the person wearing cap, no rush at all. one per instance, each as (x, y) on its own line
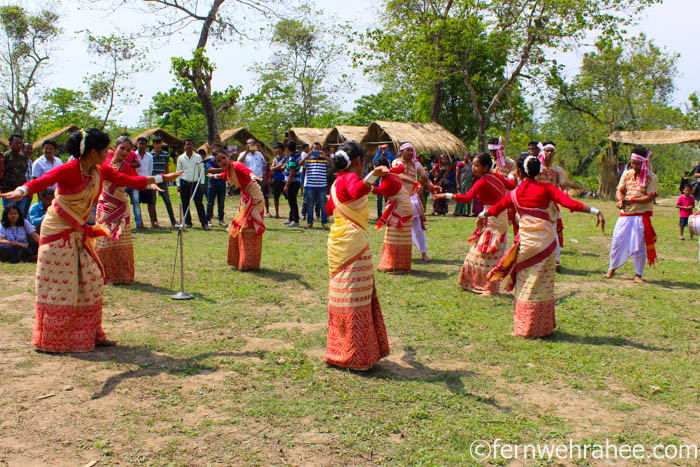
(555, 175)
(415, 179)
(634, 235)
(161, 160)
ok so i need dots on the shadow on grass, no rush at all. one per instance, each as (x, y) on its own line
(157, 290)
(430, 274)
(417, 371)
(451, 262)
(150, 363)
(562, 336)
(674, 284)
(280, 276)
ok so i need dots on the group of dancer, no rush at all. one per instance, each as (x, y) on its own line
(75, 259)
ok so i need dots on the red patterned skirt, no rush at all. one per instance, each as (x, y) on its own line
(245, 250)
(534, 299)
(397, 249)
(68, 297)
(117, 257)
(357, 336)
(484, 255)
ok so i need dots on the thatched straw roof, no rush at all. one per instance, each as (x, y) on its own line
(4, 144)
(651, 137)
(301, 135)
(171, 140)
(342, 133)
(55, 135)
(239, 135)
(425, 137)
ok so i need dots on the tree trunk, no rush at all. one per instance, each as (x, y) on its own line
(210, 116)
(437, 102)
(481, 134)
(506, 143)
(608, 173)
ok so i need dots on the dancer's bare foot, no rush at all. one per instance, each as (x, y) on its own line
(105, 343)
(638, 279)
(425, 258)
(486, 293)
(610, 274)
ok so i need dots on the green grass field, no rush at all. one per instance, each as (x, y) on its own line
(237, 376)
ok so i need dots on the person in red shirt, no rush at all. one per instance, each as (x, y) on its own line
(247, 228)
(69, 275)
(685, 205)
(528, 266)
(357, 336)
(489, 239)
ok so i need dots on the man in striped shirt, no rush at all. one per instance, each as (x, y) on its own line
(161, 159)
(315, 169)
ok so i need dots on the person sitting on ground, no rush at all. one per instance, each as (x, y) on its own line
(15, 234)
(38, 209)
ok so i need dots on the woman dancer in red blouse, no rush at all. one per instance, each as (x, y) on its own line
(529, 264)
(69, 275)
(489, 239)
(356, 334)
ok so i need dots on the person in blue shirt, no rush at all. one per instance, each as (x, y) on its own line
(216, 191)
(383, 152)
(38, 209)
(292, 177)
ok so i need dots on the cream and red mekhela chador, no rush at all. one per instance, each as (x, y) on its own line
(247, 228)
(409, 177)
(357, 336)
(557, 177)
(504, 166)
(396, 252)
(69, 275)
(117, 251)
(634, 234)
(489, 241)
(528, 266)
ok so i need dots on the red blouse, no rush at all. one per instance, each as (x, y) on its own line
(70, 180)
(241, 172)
(389, 186)
(487, 190)
(534, 194)
(348, 187)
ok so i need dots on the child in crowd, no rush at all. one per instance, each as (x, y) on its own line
(685, 205)
(15, 233)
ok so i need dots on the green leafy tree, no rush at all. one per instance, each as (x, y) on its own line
(308, 61)
(27, 44)
(490, 45)
(120, 60)
(621, 85)
(61, 107)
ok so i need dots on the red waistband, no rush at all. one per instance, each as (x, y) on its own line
(645, 214)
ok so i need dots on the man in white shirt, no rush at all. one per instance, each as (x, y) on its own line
(255, 160)
(147, 197)
(190, 162)
(48, 161)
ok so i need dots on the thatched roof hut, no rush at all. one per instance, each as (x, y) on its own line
(239, 135)
(342, 133)
(425, 137)
(56, 135)
(651, 137)
(4, 144)
(301, 135)
(170, 140)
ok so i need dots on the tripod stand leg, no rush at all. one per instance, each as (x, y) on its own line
(182, 295)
